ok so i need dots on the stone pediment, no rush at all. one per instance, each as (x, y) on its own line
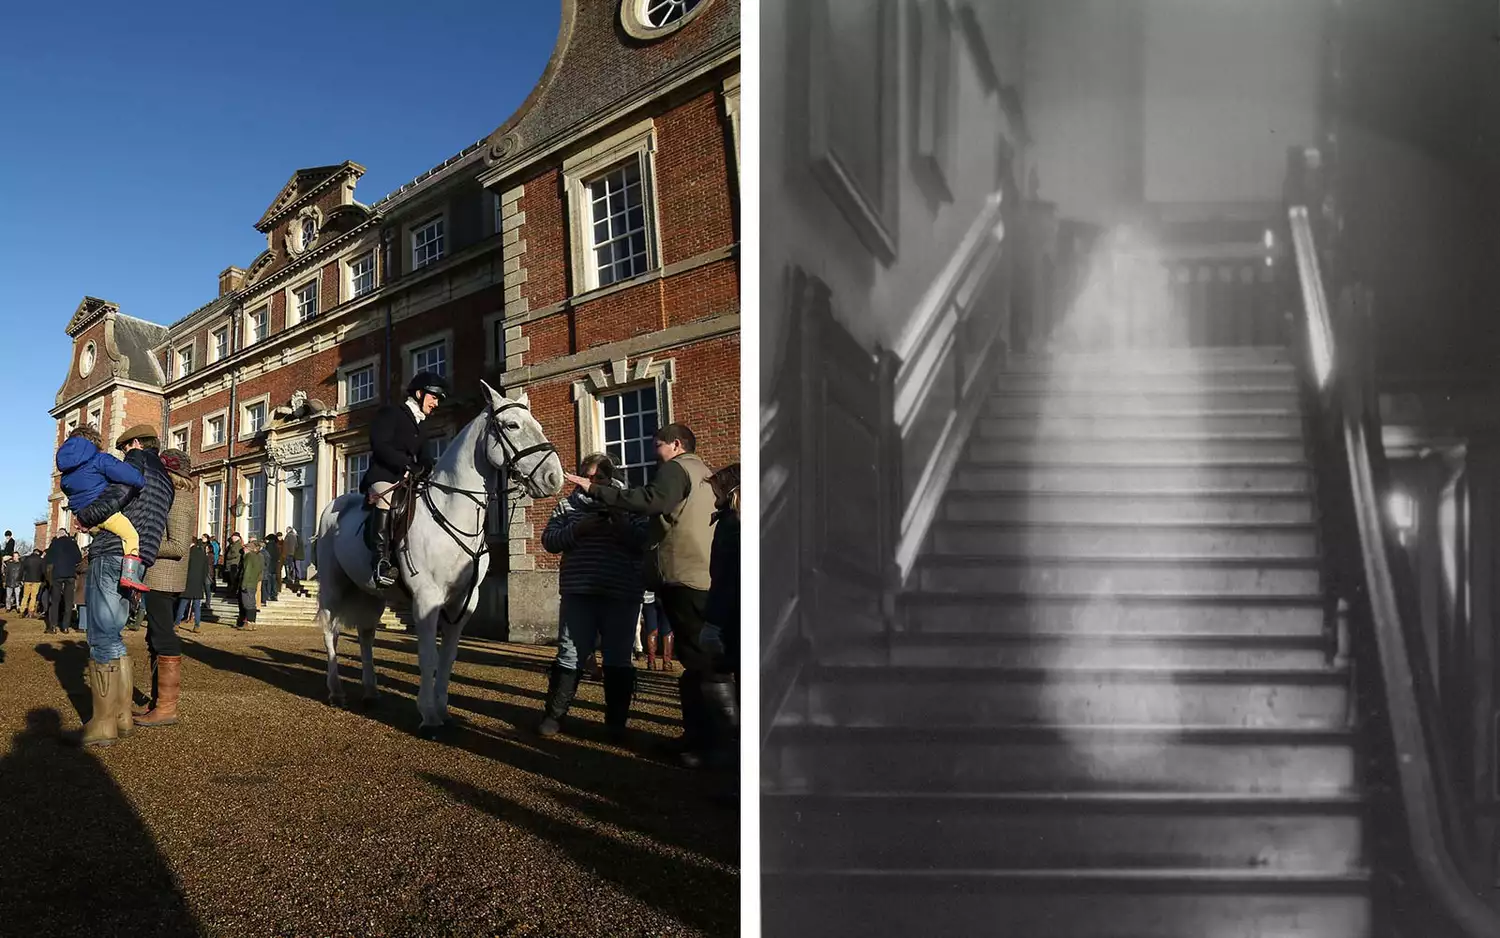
(303, 185)
(88, 312)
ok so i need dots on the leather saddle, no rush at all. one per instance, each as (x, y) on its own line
(398, 518)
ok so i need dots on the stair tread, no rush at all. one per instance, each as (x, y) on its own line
(991, 673)
(1086, 876)
(1132, 800)
(1144, 560)
(960, 732)
(1237, 639)
(1150, 495)
(1065, 524)
(955, 597)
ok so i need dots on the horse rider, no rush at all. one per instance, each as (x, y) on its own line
(398, 445)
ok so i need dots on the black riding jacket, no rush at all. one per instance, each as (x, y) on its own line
(397, 444)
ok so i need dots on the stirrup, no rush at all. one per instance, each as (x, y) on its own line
(386, 578)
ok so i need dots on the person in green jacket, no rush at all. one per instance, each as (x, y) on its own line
(252, 568)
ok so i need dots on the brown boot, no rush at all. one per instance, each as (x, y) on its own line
(102, 729)
(168, 689)
(666, 654)
(124, 691)
(651, 652)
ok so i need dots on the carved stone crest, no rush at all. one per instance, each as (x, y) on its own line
(292, 452)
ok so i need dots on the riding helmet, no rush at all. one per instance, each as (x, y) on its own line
(429, 382)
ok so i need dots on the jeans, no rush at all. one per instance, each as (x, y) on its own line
(656, 621)
(60, 612)
(108, 608)
(12, 597)
(195, 606)
(589, 622)
(83, 619)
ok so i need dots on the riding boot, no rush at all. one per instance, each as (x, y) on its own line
(697, 725)
(102, 729)
(619, 691)
(666, 654)
(562, 686)
(378, 542)
(169, 689)
(723, 710)
(651, 652)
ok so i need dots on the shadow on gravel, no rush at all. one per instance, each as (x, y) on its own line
(653, 798)
(4, 634)
(701, 896)
(69, 662)
(75, 858)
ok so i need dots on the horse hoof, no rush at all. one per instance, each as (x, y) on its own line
(368, 702)
(430, 732)
(336, 701)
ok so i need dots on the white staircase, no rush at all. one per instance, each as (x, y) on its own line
(1111, 709)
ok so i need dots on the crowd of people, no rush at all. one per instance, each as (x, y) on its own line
(667, 555)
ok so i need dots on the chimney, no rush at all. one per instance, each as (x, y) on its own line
(230, 280)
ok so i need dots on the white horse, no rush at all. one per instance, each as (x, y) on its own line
(443, 559)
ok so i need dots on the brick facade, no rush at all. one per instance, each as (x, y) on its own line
(505, 297)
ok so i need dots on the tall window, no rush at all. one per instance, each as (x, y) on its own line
(436, 446)
(256, 510)
(433, 358)
(359, 386)
(215, 432)
(630, 422)
(184, 361)
(617, 216)
(362, 275)
(213, 505)
(306, 297)
(355, 467)
(255, 418)
(220, 345)
(96, 417)
(180, 439)
(259, 323)
(427, 243)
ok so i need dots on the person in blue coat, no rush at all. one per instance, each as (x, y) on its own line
(97, 486)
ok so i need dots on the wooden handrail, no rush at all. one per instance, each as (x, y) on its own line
(926, 346)
(1441, 876)
(935, 320)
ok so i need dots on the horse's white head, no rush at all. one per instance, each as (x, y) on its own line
(514, 440)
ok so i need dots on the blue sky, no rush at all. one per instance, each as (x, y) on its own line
(142, 141)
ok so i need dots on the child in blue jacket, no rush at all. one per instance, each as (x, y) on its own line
(98, 486)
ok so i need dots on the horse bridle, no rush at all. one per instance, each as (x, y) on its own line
(515, 483)
(514, 454)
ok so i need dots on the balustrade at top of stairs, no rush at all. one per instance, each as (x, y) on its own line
(1114, 703)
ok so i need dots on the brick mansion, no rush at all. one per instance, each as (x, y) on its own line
(586, 252)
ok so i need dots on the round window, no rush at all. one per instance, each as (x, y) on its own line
(87, 360)
(653, 19)
(309, 232)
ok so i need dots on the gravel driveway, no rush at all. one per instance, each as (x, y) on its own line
(267, 812)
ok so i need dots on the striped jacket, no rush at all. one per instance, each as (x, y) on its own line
(607, 564)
